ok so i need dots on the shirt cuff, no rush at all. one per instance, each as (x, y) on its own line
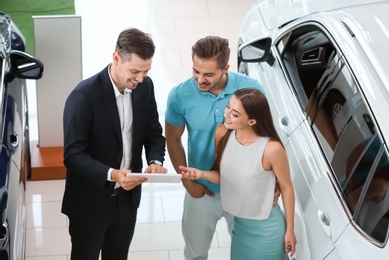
(109, 174)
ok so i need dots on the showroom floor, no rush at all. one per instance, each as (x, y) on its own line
(175, 26)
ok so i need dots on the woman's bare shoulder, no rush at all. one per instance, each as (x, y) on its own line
(274, 148)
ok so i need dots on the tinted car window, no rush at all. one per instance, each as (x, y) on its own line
(343, 125)
(366, 186)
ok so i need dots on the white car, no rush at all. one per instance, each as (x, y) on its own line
(325, 68)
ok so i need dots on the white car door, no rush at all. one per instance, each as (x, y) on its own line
(319, 203)
(321, 215)
(312, 224)
(323, 212)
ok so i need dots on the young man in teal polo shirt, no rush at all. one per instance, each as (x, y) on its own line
(198, 104)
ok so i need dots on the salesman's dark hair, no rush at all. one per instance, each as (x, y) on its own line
(134, 41)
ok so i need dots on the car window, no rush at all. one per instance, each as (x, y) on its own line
(343, 125)
(366, 186)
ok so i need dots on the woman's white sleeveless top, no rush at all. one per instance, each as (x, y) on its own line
(246, 189)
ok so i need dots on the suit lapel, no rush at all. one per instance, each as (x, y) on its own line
(108, 95)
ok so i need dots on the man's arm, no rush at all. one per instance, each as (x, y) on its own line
(77, 119)
(177, 156)
(174, 145)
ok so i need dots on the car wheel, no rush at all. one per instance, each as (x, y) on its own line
(5, 241)
(334, 103)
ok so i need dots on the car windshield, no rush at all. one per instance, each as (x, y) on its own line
(5, 50)
(5, 36)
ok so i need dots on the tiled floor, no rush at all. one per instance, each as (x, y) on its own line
(157, 235)
(175, 26)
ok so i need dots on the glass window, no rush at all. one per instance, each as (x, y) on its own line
(366, 186)
(343, 125)
(346, 132)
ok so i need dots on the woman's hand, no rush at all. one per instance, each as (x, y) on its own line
(191, 173)
(290, 242)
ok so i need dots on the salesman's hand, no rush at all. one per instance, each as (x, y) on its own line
(154, 168)
(127, 183)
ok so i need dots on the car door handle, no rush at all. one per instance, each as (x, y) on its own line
(284, 124)
(325, 222)
(14, 141)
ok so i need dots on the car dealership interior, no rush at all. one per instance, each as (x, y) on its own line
(174, 25)
(317, 78)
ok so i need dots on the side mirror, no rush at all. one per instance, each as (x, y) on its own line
(256, 50)
(25, 66)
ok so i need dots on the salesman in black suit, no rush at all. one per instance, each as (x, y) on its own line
(108, 119)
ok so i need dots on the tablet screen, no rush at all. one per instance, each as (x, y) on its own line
(158, 177)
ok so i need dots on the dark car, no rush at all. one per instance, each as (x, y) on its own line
(15, 67)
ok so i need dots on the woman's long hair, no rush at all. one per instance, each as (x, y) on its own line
(256, 107)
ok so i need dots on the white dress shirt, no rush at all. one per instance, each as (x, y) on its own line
(124, 104)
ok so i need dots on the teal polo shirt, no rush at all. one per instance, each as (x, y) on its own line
(201, 113)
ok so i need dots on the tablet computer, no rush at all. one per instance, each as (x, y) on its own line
(158, 177)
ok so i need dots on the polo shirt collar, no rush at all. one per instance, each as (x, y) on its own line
(230, 87)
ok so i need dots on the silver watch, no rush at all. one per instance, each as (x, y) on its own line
(155, 162)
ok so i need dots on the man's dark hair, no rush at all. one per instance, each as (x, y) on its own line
(212, 47)
(134, 41)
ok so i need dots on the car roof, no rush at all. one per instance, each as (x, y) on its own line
(277, 12)
(371, 33)
(370, 26)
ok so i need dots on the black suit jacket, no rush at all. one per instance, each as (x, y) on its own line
(93, 142)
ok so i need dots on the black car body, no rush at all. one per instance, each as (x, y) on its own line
(15, 67)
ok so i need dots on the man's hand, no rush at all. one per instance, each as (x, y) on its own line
(127, 183)
(154, 168)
